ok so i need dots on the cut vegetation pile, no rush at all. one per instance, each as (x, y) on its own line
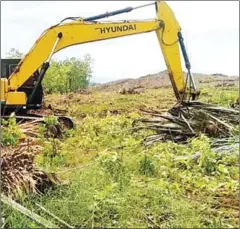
(19, 174)
(189, 120)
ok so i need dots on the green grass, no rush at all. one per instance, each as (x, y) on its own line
(100, 103)
(219, 96)
(114, 181)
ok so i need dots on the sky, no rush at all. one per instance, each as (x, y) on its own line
(210, 30)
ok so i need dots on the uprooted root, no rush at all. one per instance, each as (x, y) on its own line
(189, 120)
(19, 175)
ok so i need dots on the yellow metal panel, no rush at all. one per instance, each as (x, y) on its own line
(74, 33)
(16, 98)
(168, 41)
(4, 89)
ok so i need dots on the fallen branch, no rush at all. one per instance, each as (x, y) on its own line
(27, 212)
(54, 216)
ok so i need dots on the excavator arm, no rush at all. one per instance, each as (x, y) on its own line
(80, 31)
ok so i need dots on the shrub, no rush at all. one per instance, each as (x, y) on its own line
(10, 133)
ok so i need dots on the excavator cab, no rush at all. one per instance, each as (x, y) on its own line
(7, 68)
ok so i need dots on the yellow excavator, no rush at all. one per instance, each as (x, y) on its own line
(21, 80)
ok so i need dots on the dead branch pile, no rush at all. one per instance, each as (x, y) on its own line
(188, 120)
(129, 91)
(18, 173)
(30, 129)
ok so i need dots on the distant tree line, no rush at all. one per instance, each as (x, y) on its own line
(64, 76)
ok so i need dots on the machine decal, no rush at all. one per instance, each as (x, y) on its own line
(114, 29)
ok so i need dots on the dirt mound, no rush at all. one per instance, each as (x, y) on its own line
(161, 79)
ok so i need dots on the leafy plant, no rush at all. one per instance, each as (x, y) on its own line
(113, 164)
(10, 133)
(147, 167)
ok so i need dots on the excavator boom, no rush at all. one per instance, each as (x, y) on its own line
(80, 31)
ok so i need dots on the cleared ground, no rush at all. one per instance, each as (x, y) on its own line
(112, 180)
